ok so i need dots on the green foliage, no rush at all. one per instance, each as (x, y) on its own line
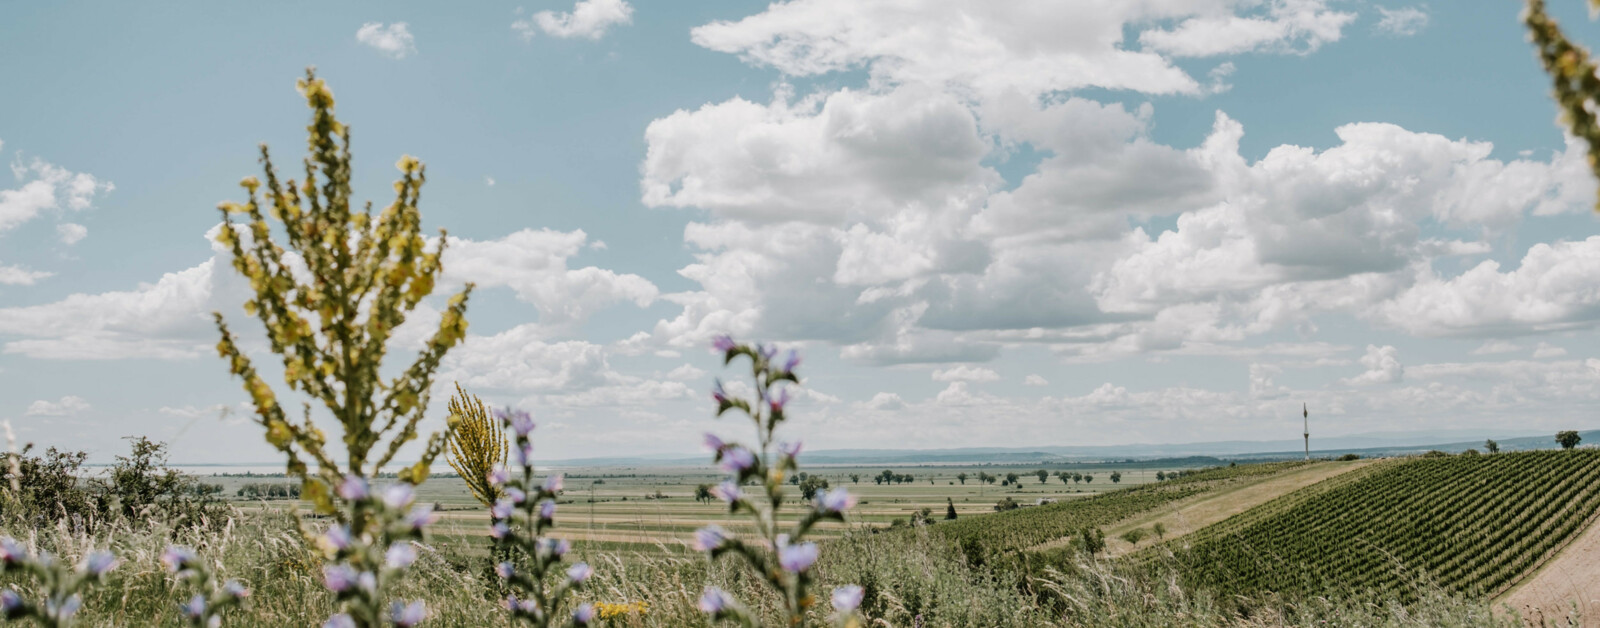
(1576, 89)
(1135, 535)
(477, 445)
(1470, 524)
(44, 490)
(1349, 457)
(140, 486)
(1160, 530)
(1568, 439)
(1092, 541)
(59, 585)
(1491, 446)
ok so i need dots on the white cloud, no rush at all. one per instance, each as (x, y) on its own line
(1403, 22)
(534, 264)
(965, 373)
(1035, 380)
(885, 401)
(1261, 384)
(686, 372)
(1383, 367)
(1288, 26)
(47, 187)
(489, 181)
(1493, 347)
(393, 40)
(1547, 350)
(589, 19)
(20, 276)
(67, 406)
(166, 320)
(1556, 286)
(71, 233)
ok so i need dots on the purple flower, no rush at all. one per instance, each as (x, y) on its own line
(553, 483)
(400, 555)
(797, 558)
(499, 530)
(737, 459)
(11, 604)
(723, 343)
(714, 601)
(717, 393)
(713, 443)
(353, 488)
(547, 509)
(367, 581)
(779, 401)
(515, 494)
(420, 517)
(341, 620)
(66, 609)
(337, 538)
(502, 509)
(709, 538)
(767, 351)
(518, 420)
(835, 501)
(339, 578)
(790, 361)
(399, 495)
(847, 598)
(195, 608)
(235, 590)
(98, 563)
(524, 452)
(526, 607)
(727, 491)
(579, 572)
(791, 450)
(177, 558)
(11, 551)
(554, 547)
(498, 477)
(407, 615)
(505, 570)
(583, 614)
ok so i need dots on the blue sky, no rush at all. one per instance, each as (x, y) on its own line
(983, 224)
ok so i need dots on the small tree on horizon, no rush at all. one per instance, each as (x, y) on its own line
(1568, 439)
(963, 477)
(1116, 477)
(949, 509)
(1044, 476)
(1491, 446)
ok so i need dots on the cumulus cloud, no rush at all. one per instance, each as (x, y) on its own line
(1382, 364)
(589, 19)
(1493, 347)
(1556, 286)
(1402, 22)
(1287, 26)
(534, 265)
(65, 407)
(20, 275)
(393, 40)
(1035, 380)
(965, 373)
(71, 233)
(1547, 350)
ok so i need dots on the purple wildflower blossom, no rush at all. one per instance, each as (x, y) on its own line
(709, 538)
(11, 551)
(234, 589)
(421, 517)
(354, 488)
(407, 615)
(547, 509)
(499, 476)
(717, 393)
(505, 570)
(553, 483)
(579, 572)
(797, 558)
(11, 603)
(713, 443)
(502, 509)
(524, 453)
(583, 614)
(727, 491)
(499, 530)
(399, 495)
(790, 361)
(791, 450)
(400, 555)
(98, 563)
(341, 620)
(847, 598)
(337, 538)
(515, 494)
(177, 558)
(714, 601)
(195, 608)
(836, 500)
(338, 578)
(723, 343)
(737, 459)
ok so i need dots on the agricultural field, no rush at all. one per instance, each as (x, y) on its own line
(1471, 524)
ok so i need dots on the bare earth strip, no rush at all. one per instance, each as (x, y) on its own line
(1188, 516)
(1571, 577)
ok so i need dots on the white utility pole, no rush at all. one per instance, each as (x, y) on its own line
(1305, 417)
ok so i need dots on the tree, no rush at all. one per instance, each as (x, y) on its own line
(1491, 446)
(1088, 479)
(855, 478)
(1044, 476)
(1077, 477)
(908, 478)
(1161, 476)
(1160, 529)
(1011, 478)
(1134, 536)
(811, 485)
(1092, 540)
(963, 477)
(989, 478)
(1568, 439)
(1006, 504)
(1116, 477)
(949, 509)
(702, 493)
(1065, 477)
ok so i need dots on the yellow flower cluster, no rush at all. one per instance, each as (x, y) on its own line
(477, 446)
(609, 610)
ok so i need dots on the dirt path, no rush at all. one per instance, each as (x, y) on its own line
(1186, 517)
(1572, 577)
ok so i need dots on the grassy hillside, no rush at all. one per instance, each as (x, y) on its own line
(1469, 524)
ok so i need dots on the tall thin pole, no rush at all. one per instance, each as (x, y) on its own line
(1305, 418)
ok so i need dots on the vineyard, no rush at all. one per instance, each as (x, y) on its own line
(1469, 524)
(985, 536)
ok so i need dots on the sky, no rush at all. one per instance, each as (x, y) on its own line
(1010, 224)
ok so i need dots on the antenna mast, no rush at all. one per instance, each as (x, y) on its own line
(1305, 417)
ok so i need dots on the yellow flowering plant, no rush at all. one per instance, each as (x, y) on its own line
(477, 446)
(329, 310)
(1576, 88)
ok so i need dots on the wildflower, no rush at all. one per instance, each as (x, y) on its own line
(98, 563)
(338, 578)
(727, 491)
(399, 495)
(235, 590)
(518, 420)
(797, 558)
(579, 572)
(353, 488)
(420, 517)
(66, 609)
(791, 450)
(835, 501)
(737, 459)
(407, 615)
(515, 494)
(195, 608)
(790, 361)
(709, 538)
(502, 509)
(400, 556)
(553, 483)
(341, 620)
(847, 598)
(583, 614)
(12, 552)
(499, 530)
(717, 393)
(766, 351)
(367, 582)
(524, 451)
(177, 558)
(723, 343)
(713, 443)
(505, 570)
(524, 606)
(336, 539)
(779, 401)
(498, 477)
(547, 509)
(714, 601)
(554, 547)
(11, 604)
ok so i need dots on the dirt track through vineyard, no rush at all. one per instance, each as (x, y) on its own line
(1572, 577)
